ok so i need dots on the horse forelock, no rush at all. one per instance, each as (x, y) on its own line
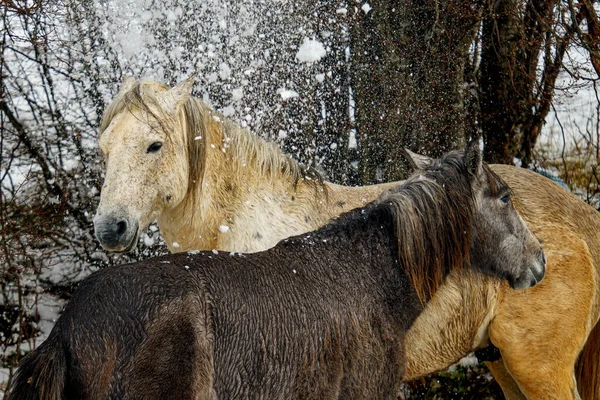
(140, 97)
(196, 133)
(434, 222)
(496, 185)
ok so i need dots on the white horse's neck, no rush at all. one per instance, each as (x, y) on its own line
(250, 198)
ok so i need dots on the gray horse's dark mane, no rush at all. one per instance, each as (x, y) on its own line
(433, 213)
(268, 157)
(434, 222)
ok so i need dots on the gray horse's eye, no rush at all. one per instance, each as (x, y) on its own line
(506, 198)
(154, 147)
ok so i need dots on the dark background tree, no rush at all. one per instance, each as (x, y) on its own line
(408, 77)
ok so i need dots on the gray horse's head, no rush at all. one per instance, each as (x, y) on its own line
(502, 244)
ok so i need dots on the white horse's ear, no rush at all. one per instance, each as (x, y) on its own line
(417, 161)
(174, 98)
(474, 159)
(127, 84)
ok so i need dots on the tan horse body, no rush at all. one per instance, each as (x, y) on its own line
(540, 331)
(247, 196)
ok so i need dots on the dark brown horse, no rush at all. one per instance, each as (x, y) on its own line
(320, 316)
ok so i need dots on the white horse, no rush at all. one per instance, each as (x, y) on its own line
(209, 183)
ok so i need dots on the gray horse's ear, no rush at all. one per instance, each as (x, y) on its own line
(417, 161)
(474, 159)
(127, 84)
(174, 98)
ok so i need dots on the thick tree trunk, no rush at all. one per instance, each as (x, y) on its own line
(408, 61)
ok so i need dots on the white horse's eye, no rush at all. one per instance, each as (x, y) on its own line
(154, 147)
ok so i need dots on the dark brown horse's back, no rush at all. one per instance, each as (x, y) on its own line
(180, 327)
(133, 330)
(320, 320)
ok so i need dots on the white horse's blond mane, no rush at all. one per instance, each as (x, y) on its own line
(202, 127)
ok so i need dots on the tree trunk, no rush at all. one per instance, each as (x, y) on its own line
(513, 109)
(408, 62)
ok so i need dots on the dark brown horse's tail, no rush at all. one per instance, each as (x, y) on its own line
(42, 374)
(588, 367)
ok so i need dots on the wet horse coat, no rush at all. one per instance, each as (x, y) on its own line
(241, 179)
(319, 316)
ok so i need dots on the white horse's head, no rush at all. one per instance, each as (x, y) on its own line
(146, 153)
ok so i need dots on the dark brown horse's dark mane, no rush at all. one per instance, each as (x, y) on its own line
(434, 221)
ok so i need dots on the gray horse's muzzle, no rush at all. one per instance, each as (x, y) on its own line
(532, 276)
(116, 232)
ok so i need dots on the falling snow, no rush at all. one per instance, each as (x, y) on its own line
(287, 94)
(311, 51)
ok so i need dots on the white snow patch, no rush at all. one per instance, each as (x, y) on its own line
(71, 164)
(282, 134)
(224, 71)
(176, 245)
(194, 252)
(215, 251)
(237, 94)
(320, 78)
(212, 78)
(469, 361)
(366, 8)
(228, 111)
(287, 93)
(352, 143)
(311, 51)
(149, 240)
(132, 41)
(223, 228)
